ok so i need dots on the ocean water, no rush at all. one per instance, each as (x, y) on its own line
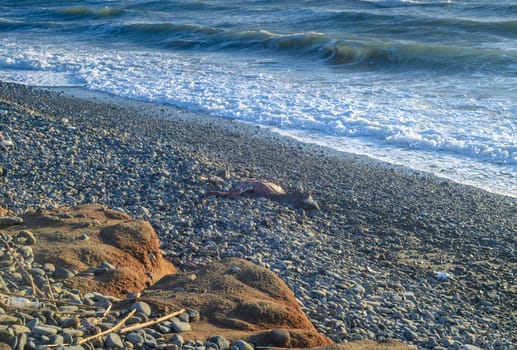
(431, 85)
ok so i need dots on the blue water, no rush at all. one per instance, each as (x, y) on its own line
(431, 85)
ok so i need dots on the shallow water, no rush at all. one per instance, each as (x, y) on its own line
(429, 85)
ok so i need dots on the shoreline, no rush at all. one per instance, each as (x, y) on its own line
(367, 258)
(250, 128)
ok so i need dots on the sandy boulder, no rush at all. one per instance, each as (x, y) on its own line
(239, 300)
(85, 237)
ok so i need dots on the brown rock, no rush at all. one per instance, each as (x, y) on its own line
(239, 300)
(130, 245)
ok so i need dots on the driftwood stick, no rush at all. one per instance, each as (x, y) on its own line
(150, 323)
(108, 331)
(50, 292)
(105, 313)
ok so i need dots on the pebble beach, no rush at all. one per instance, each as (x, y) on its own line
(392, 253)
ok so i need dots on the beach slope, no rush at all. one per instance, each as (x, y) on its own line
(390, 254)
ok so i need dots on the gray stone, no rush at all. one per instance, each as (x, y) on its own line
(8, 319)
(5, 333)
(410, 335)
(103, 268)
(193, 315)
(448, 342)
(74, 333)
(27, 253)
(71, 309)
(183, 317)
(177, 340)
(241, 345)
(358, 289)
(57, 339)
(71, 322)
(25, 237)
(470, 347)
(49, 267)
(443, 320)
(44, 330)
(128, 345)
(133, 320)
(104, 303)
(279, 337)
(180, 326)
(135, 338)
(62, 273)
(221, 342)
(150, 342)
(113, 341)
(67, 338)
(142, 307)
(32, 323)
(19, 329)
(18, 341)
(319, 293)
(163, 329)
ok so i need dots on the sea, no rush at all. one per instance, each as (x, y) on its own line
(427, 84)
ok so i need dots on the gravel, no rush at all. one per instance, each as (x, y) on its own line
(391, 254)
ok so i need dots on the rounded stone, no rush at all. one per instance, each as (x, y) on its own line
(71, 322)
(184, 317)
(279, 337)
(62, 273)
(193, 315)
(241, 345)
(142, 307)
(25, 237)
(179, 326)
(44, 330)
(221, 342)
(178, 340)
(19, 329)
(57, 339)
(150, 342)
(410, 335)
(36, 271)
(135, 338)
(113, 341)
(49, 267)
(18, 341)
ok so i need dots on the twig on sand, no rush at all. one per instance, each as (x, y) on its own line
(108, 331)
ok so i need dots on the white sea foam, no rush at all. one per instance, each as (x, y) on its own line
(447, 126)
